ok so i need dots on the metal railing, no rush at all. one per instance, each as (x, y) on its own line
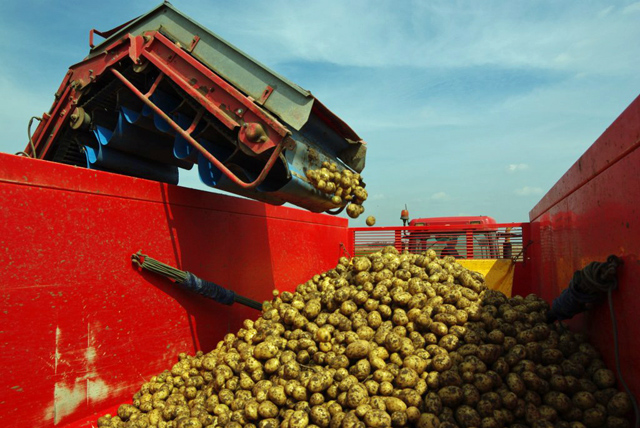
(492, 241)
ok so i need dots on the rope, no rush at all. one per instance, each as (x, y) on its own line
(192, 282)
(587, 287)
(33, 147)
(524, 249)
(152, 265)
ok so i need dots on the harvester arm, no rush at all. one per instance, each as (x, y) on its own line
(163, 93)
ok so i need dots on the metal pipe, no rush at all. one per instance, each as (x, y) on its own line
(255, 183)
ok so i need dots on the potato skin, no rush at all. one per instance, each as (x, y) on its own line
(604, 378)
(377, 419)
(619, 404)
(299, 419)
(358, 349)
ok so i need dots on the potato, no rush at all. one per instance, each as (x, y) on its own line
(125, 411)
(604, 378)
(617, 422)
(299, 419)
(515, 384)
(356, 395)
(467, 416)
(265, 351)
(267, 410)
(377, 419)
(451, 396)
(584, 400)
(594, 417)
(406, 378)
(320, 416)
(358, 349)
(619, 404)
(428, 420)
(441, 362)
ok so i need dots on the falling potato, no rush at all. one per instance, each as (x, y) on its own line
(344, 187)
(371, 220)
(387, 339)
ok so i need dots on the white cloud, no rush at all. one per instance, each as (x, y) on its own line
(604, 12)
(440, 196)
(377, 197)
(632, 8)
(432, 34)
(515, 167)
(527, 191)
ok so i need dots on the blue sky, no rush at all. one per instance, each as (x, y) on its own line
(468, 107)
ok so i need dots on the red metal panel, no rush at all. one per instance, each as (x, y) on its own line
(81, 328)
(592, 212)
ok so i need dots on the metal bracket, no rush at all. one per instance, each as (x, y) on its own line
(193, 44)
(265, 95)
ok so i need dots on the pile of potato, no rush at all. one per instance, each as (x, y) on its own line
(344, 186)
(388, 340)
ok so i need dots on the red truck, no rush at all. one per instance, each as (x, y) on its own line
(473, 237)
(456, 239)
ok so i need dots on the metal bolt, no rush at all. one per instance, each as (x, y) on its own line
(239, 111)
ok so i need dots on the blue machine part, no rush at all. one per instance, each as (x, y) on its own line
(141, 142)
(116, 161)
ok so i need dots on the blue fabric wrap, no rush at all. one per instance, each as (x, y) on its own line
(571, 301)
(209, 289)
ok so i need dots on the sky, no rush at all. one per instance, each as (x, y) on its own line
(467, 107)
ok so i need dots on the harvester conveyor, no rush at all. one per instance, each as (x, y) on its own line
(161, 92)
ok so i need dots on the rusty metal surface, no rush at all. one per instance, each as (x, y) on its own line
(590, 213)
(81, 328)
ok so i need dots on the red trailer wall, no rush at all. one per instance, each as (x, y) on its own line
(592, 212)
(81, 328)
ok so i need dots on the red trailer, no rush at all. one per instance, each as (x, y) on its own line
(82, 328)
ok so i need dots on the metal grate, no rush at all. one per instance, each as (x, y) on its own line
(493, 241)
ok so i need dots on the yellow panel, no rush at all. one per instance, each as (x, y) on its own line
(498, 274)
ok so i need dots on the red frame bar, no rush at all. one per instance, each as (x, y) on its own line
(400, 231)
(458, 228)
(187, 136)
(215, 94)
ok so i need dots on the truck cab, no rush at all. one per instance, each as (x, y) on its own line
(464, 240)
